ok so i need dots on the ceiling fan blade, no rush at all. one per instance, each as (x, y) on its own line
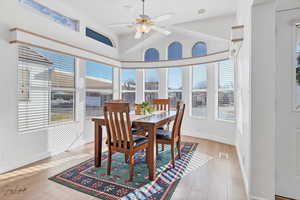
(138, 35)
(120, 25)
(161, 30)
(162, 17)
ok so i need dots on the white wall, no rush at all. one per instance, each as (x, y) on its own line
(219, 28)
(243, 140)
(17, 149)
(263, 101)
(256, 127)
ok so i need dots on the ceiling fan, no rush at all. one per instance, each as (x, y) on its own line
(144, 24)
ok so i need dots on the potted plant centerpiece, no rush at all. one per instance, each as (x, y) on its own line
(147, 108)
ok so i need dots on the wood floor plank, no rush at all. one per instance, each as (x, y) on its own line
(219, 179)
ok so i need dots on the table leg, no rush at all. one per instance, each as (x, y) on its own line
(98, 144)
(152, 152)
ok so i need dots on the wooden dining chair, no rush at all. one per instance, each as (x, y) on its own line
(120, 137)
(162, 104)
(117, 101)
(172, 137)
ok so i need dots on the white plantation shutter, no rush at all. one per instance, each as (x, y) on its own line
(33, 90)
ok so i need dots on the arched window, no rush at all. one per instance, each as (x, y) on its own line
(151, 55)
(199, 80)
(175, 51)
(199, 49)
(175, 74)
(151, 76)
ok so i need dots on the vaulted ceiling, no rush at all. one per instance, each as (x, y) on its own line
(124, 11)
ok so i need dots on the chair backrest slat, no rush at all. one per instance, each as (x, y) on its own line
(178, 119)
(162, 104)
(118, 125)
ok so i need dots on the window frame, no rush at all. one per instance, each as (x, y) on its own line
(128, 91)
(157, 57)
(99, 33)
(98, 91)
(217, 90)
(76, 21)
(171, 57)
(193, 52)
(62, 89)
(176, 90)
(49, 89)
(198, 90)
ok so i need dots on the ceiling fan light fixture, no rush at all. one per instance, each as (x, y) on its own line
(143, 28)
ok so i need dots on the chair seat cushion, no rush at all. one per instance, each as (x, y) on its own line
(162, 134)
(163, 127)
(137, 130)
(137, 140)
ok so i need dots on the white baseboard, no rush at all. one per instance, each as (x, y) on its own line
(21, 163)
(9, 166)
(208, 137)
(245, 180)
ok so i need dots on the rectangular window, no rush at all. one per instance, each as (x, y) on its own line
(98, 37)
(175, 86)
(226, 106)
(128, 86)
(99, 87)
(199, 91)
(151, 84)
(46, 87)
(51, 14)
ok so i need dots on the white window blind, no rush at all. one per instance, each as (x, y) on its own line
(46, 87)
(33, 90)
(226, 106)
(99, 87)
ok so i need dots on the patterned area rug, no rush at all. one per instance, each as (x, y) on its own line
(94, 181)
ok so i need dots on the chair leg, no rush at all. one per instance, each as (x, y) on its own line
(126, 157)
(109, 162)
(147, 156)
(156, 148)
(131, 162)
(178, 148)
(173, 154)
(162, 147)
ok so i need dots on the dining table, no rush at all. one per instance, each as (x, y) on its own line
(149, 123)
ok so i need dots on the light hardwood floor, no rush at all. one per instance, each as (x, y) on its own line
(219, 179)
